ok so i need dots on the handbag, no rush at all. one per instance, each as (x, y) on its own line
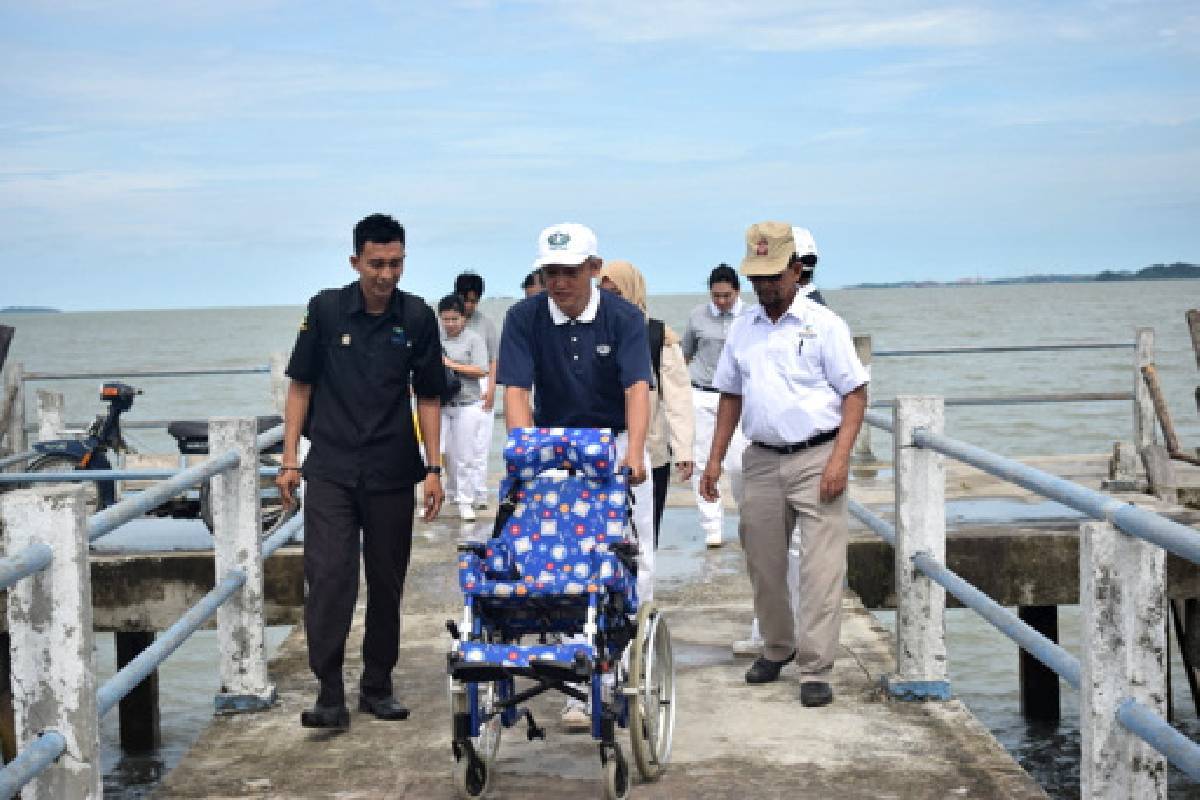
(453, 384)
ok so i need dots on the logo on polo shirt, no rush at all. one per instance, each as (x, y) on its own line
(558, 240)
(398, 335)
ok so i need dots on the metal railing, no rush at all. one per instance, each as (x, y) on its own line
(1122, 594)
(1143, 347)
(48, 535)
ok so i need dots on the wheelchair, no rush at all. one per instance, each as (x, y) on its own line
(550, 604)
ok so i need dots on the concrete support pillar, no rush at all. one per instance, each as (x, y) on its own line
(1122, 594)
(236, 524)
(139, 712)
(49, 415)
(1040, 690)
(862, 445)
(50, 626)
(279, 381)
(921, 671)
(1144, 422)
(13, 400)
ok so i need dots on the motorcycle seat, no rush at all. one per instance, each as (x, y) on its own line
(191, 435)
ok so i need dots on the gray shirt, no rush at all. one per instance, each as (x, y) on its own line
(705, 337)
(483, 326)
(467, 348)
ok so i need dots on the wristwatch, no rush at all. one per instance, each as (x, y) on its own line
(436, 469)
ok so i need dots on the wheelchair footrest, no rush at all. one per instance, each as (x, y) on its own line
(479, 661)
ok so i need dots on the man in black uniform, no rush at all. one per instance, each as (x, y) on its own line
(358, 349)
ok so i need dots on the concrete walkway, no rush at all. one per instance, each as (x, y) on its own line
(732, 740)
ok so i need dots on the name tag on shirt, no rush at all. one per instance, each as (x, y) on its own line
(603, 349)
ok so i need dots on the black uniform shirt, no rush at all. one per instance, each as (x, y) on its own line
(360, 366)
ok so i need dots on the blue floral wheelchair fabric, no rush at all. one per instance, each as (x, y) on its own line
(558, 540)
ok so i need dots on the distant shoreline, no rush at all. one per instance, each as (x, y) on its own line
(29, 310)
(1156, 272)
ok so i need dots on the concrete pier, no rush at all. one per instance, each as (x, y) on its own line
(732, 740)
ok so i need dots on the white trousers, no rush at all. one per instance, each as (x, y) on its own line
(460, 435)
(643, 522)
(478, 489)
(704, 404)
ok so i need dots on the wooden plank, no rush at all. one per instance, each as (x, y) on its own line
(1193, 321)
(1160, 472)
(6, 336)
(1150, 376)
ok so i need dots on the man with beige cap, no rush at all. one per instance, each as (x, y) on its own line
(789, 373)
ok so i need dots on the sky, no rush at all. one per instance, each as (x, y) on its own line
(218, 152)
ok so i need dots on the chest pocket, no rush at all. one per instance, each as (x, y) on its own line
(604, 361)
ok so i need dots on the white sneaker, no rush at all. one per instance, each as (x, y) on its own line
(466, 512)
(752, 647)
(713, 538)
(575, 718)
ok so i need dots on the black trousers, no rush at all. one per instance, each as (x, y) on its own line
(661, 477)
(333, 517)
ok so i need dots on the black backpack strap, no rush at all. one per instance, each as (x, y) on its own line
(657, 333)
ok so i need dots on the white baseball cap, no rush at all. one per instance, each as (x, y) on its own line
(805, 244)
(566, 243)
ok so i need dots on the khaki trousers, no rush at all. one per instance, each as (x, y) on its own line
(779, 489)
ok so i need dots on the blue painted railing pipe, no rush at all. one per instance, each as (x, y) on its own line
(34, 558)
(111, 518)
(17, 458)
(879, 419)
(149, 659)
(1065, 665)
(883, 529)
(284, 534)
(143, 373)
(82, 475)
(1156, 732)
(1179, 539)
(270, 438)
(1017, 348)
(33, 758)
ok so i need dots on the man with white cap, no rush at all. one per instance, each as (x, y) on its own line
(584, 355)
(790, 374)
(806, 252)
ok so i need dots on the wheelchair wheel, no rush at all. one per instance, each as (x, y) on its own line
(616, 776)
(487, 743)
(472, 777)
(652, 704)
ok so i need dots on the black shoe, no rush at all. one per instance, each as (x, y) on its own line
(386, 707)
(764, 670)
(335, 718)
(815, 693)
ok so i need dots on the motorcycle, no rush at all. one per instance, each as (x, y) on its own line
(91, 452)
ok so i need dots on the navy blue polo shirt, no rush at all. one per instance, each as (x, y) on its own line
(579, 371)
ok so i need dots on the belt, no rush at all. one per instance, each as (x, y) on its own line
(812, 441)
(705, 388)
